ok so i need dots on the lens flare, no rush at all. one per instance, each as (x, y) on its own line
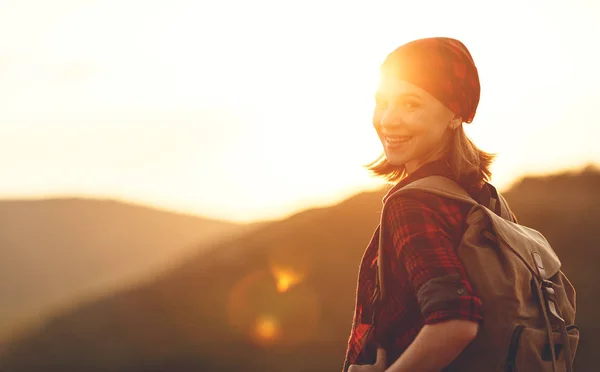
(271, 317)
(266, 328)
(285, 278)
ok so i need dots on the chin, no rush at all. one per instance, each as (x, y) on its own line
(396, 160)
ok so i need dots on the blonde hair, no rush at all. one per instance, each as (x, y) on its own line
(468, 163)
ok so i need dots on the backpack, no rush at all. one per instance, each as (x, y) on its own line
(528, 302)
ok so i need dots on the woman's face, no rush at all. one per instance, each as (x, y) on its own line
(413, 126)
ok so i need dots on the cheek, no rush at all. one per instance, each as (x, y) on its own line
(418, 122)
(429, 124)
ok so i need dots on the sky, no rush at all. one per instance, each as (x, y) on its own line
(251, 110)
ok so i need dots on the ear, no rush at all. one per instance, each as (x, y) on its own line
(455, 122)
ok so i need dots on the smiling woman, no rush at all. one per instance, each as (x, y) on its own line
(412, 113)
(428, 89)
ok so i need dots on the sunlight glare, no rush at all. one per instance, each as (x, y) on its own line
(295, 101)
(285, 278)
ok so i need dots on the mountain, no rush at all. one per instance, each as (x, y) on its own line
(57, 251)
(281, 297)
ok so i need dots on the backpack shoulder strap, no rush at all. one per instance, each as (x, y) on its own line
(501, 206)
(448, 188)
(505, 211)
(438, 185)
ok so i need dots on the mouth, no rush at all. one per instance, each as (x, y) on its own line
(398, 140)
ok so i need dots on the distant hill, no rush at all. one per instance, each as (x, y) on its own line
(223, 310)
(55, 251)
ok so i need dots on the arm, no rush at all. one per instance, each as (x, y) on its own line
(424, 247)
(436, 346)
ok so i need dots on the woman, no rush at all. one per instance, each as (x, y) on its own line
(428, 89)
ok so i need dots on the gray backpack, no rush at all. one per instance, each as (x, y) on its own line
(528, 302)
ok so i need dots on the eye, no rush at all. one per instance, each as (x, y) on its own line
(410, 104)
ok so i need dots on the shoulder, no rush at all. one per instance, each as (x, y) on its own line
(418, 202)
(419, 211)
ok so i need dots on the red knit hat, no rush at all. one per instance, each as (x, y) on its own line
(441, 66)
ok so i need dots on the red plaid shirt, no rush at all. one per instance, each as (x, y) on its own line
(427, 282)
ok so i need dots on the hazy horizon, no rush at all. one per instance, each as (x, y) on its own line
(237, 111)
(281, 215)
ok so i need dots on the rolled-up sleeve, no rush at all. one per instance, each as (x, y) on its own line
(423, 245)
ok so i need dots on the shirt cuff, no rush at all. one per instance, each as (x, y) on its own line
(449, 298)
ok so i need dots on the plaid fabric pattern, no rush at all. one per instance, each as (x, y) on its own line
(443, 67)
(424, 231)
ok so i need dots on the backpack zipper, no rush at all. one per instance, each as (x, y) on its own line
(513, 348)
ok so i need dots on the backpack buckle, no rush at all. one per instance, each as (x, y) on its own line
(548, 285)
(549, 293)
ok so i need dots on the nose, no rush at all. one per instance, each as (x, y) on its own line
(391, 119)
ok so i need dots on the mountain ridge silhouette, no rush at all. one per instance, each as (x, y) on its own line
(55, 250)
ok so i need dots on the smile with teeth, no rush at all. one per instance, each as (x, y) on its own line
(397, 140)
